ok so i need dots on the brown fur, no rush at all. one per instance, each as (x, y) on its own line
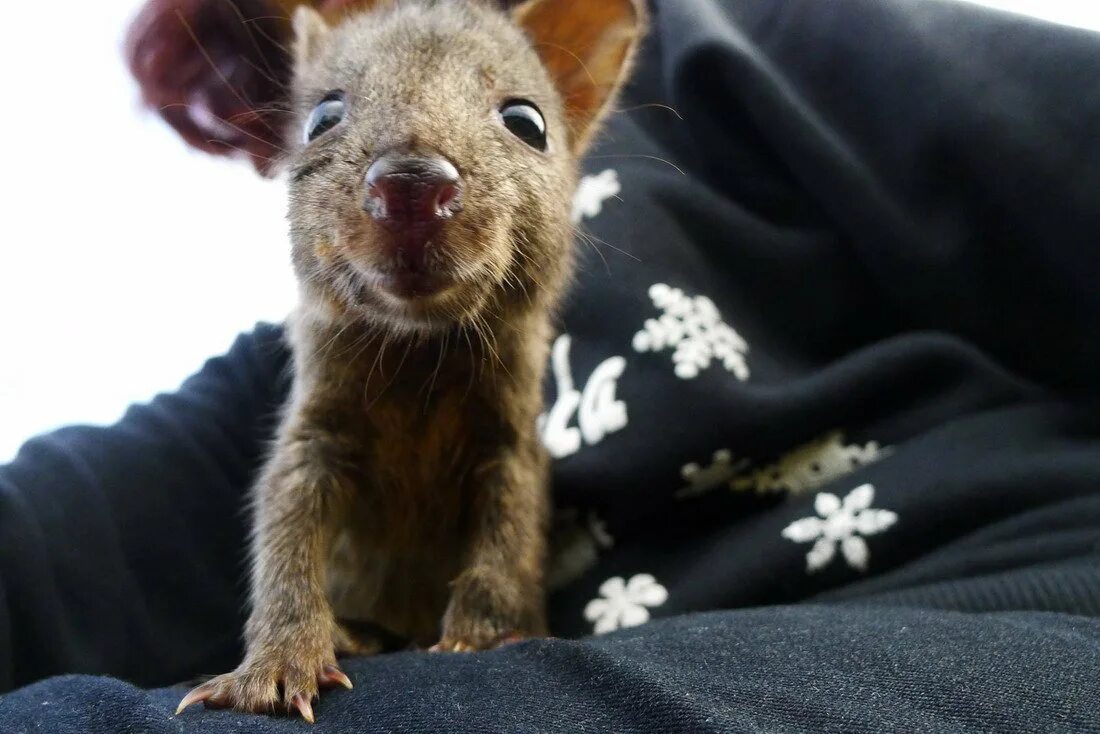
(408, 488)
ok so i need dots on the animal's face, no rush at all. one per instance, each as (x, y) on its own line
(434, 165)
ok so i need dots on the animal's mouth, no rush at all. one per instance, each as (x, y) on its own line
(427, 284)
(409, 288)
(411, 284)
(395, 275)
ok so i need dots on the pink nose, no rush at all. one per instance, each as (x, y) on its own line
(408, 193)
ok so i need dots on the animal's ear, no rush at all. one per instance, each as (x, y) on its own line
(311, 25)
(588, 46)
(310, 28)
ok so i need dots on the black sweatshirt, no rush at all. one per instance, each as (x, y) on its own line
(833, 352)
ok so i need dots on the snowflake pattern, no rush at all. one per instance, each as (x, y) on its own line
(811, 465)
(575, 545)
(840, 522)
(597, 410)
(701, 480)
(694, 328)
(623, 604)
(592, 192)
(805, 468)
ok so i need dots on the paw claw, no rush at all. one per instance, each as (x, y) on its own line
(255, 686)
(197, 694)
(301, 702)
(461, 645)
(331, 676)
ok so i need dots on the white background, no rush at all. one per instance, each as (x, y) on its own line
(127, 259)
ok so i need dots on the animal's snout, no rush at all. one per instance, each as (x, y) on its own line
(406, 192)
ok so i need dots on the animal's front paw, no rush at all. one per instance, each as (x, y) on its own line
(475, 643)
(280, 680)
(487, 611)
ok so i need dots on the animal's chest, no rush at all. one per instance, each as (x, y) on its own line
(402, 540)
(418, 475)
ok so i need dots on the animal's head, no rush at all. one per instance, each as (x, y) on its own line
(433, 146)
(438, 149)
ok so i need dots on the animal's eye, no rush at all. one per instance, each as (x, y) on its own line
(325, 116)
(525, 121)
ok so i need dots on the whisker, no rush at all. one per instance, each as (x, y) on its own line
(240, 16)
(652, 104)
(586, 239)
(470, 348)
(239, 149)
(377, 361)
(214, 67)
(238, 128)
(594, 238)
(396, 371)
(639, 155)
(267, 36)
(435, 372)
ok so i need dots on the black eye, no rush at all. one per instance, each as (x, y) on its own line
(525, 121)
(325, 116)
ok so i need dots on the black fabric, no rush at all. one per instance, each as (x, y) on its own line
(123, 548)
(789, 669)
(893, 203)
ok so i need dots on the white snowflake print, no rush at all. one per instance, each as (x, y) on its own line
(812, 465)
(623, 604)
(592, 192)
(695, 329)
(597, 410)
(701, 480)
(844, 523)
